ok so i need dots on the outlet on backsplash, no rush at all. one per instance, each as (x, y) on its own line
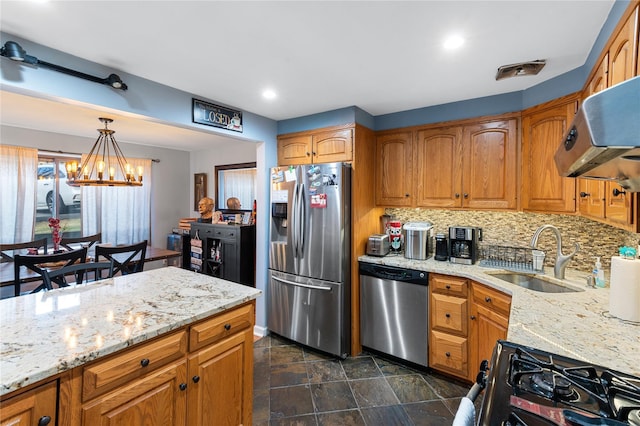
(517, 228)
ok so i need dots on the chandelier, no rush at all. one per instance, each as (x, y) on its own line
(105, 165)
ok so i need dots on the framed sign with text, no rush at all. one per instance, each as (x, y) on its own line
(216, 116)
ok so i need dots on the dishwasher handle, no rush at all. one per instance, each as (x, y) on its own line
(394, 274)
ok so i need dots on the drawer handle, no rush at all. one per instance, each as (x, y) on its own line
(448, 315)
(448, 287)
(487, 299)
(227, 327)
(195, 379)
(183, 386)
(144, 362)
(44, 421)
(447, 354)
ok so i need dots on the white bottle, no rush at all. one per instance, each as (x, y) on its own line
(598, 274)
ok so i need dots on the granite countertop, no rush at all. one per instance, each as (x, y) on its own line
(46, 333)
(577, 324)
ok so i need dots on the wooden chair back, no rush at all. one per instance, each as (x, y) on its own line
(79, 271)
(35, 244)
(127, 259)
(87, 241)
(38, 263)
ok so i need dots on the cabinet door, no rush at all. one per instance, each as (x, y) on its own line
(489, 166)
(591, 197)
(34, 407)
(221, 382)
(334, 146)
(543, 189)
(294, 150)
(394, 171)
(487, 327)
(618, 210)
(439, 171)
(158, 399)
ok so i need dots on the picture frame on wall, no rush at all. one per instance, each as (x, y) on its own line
(199, 188)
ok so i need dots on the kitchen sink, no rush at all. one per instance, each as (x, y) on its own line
(535, 283)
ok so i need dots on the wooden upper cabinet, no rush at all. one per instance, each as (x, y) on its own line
(326, 146)
(439, 175)
(543, 189)
(294, 150)
(394, 167)
(489, 165)
(332, 146)
(623, 51)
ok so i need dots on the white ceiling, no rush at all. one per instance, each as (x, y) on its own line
(382, 56)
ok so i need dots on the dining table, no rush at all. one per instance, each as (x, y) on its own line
(27, 275)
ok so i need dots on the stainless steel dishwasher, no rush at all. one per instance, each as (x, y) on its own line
(394, 316)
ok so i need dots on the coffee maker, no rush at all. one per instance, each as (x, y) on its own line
(464, 244)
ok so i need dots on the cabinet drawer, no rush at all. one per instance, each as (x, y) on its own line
(133, 363)
(221, 326)
(449, 314)
(222, 231)
(449, 353)
(452, 286)
(492, 299)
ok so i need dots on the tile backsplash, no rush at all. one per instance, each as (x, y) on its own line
(517, 228)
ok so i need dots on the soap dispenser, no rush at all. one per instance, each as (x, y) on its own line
(598, 273)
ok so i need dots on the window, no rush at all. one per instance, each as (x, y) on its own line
(54, 198)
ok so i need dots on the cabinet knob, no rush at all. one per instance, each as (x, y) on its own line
(406, 195)
(144, 362)
(448, 315)
(44, 421)
(466, 195)
(448, 287)
(195, 379)
(617, 192)
(584, 194)
(457, 195)
(487, 299)
(473, 317)
(183, 386)
(314, 153)
(447, 354)
(308, 153)
(227, 327)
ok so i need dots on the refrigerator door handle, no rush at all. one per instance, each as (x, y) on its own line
(294, 221)
(312, 287)
(302, 217)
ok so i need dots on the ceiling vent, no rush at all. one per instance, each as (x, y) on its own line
(521, 69)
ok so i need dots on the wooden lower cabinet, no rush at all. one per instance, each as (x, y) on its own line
(157, 399)
(198, 375)
(35, 407)
(466, 320)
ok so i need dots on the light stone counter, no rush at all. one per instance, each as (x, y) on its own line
(46, 333)
(577, 325)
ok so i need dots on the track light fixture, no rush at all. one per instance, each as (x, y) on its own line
(15, 52)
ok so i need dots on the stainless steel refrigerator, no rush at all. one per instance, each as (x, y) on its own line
(308, 297)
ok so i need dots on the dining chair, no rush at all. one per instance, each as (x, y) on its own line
(39, 263)
(35, 244)
(79, 271)
(127, 259)
(87, 241)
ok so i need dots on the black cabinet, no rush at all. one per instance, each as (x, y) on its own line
(225, 251)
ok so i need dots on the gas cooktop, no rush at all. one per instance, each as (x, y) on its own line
(529, 387)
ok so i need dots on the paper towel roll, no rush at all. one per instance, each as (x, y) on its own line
(624, 297)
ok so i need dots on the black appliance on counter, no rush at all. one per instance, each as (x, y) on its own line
(442, 247)
(464, 244)
(527, 386)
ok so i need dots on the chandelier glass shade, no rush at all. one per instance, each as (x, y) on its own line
(105, 165)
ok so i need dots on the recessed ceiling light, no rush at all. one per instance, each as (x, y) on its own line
(453, 42)
(269, 94)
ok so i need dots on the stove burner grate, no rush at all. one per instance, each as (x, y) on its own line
(553, 386)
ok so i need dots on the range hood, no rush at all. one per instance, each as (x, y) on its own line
(603, 142)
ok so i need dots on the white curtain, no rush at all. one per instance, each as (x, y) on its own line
(19, 170)
(240, 183)
(121, 213)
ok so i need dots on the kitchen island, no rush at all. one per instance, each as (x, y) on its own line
(576, 324)
(166, 319)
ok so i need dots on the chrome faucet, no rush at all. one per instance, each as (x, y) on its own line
(561, 259)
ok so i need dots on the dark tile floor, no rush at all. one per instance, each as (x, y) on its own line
(294, 385)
